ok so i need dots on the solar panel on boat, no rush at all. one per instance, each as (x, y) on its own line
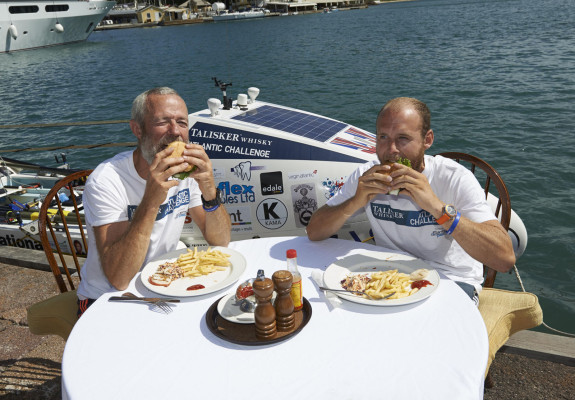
(309, 126)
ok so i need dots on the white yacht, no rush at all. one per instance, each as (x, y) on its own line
(231, 16)
(32, 24)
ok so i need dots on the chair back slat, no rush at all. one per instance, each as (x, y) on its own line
(503, 208)
(55, 222)
(487, 182)
(56, 270)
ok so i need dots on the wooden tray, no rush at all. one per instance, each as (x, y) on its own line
(246, 333)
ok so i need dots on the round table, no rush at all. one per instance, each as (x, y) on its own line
(433, 349)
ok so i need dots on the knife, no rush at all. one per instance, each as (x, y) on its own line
(150, 299)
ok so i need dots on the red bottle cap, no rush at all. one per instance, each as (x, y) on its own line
(291, 253)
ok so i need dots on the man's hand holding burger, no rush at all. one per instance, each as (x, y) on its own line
(379, 180)
(178, 152)
(415, 185)
(193, 163)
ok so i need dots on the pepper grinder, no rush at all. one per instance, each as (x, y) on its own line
(285, 317)
(265, 313)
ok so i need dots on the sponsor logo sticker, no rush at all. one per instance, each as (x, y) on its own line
(271, 183)
(304, 202)
(272, 213)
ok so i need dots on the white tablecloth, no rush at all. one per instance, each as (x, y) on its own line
(433, 349)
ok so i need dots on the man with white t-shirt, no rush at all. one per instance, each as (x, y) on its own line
(135, 210)
(440, 214)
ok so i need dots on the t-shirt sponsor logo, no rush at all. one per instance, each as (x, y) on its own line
(182, 198)
(412, 219)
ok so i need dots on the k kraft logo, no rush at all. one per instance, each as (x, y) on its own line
(271, 183)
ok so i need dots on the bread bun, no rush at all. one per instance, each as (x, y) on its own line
(179, 148)
(388, 172)
(390, 163)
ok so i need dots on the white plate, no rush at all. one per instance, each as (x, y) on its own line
(212, 282)
(370, 262)
(229, 309)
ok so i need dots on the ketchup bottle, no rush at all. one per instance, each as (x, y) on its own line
(296, 292)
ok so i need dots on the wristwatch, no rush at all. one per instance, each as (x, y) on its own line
(449, 212)
(211, 205)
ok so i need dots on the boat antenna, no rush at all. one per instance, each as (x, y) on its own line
(223, 86)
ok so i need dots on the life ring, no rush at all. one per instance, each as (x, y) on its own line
(517, 231)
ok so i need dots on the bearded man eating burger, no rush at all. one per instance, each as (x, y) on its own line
(434, 210)
(134, 207)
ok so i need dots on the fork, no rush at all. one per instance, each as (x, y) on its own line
(156, 304)
(355, 291)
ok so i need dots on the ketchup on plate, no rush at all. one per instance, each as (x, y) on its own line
(420, 284)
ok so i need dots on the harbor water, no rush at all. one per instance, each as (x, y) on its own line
(498, 76)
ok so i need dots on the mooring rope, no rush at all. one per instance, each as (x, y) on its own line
(543, 323)
(55, 124)
(74, 146)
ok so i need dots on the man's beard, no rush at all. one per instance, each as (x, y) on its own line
(150, 149)
(419, 164)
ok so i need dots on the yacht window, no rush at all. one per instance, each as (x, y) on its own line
(23, 9)
(57, 7)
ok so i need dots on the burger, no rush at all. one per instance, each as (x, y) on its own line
(179, 148)
(402, 161)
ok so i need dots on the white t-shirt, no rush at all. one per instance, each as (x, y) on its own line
(399, 223)
(112, 193)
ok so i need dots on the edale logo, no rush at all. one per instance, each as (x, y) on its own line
(271, 183)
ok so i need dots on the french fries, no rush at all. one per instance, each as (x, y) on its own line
(384, 283)
(191, 264)
(197, 263)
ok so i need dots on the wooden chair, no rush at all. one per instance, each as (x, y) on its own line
(61, 225)
(504, 312)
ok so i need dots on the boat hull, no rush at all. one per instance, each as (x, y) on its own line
(32, 25)
(238, 16)
(276, 165)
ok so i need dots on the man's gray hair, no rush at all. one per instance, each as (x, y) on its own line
(140, 104)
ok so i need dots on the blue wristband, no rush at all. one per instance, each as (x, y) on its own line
(214, 208)
(454, 223)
